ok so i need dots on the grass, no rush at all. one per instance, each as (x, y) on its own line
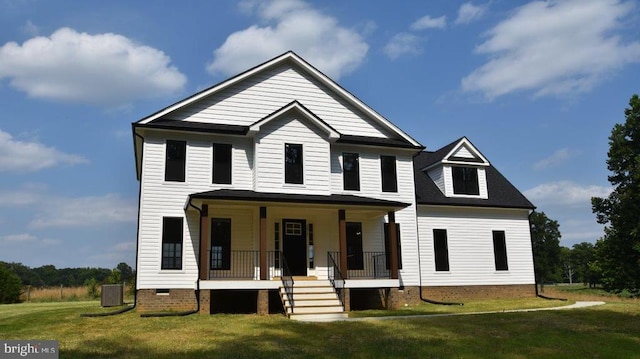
(608, 331)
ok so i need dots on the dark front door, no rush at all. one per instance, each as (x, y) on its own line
(294, 245)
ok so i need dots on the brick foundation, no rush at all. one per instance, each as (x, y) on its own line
(205, 302)
(478, 292)
(176, 300)
(263, 302)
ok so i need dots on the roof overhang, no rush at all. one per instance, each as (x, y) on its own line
(255, 197)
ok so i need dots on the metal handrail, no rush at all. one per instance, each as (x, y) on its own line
(239, 264)
(335, 277)
(287, 279)
(368, 265)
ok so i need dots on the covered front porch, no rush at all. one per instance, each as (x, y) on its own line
(252, 240)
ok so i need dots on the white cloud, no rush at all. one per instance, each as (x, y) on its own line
(28, 239)
(21, 156)
(557, 158)
(428, 22)
(402, 44)
(290, 25)
(85, 212)
(20, 238)
(105, 69)
(565, 193)
(469, 12)
(18, 198)
(30, 28)
(553, 48)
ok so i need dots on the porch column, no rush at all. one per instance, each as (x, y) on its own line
(263, 243)
(204, 243)
(393, 246)
(342, 240)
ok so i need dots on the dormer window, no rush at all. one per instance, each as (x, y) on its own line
(465, 181)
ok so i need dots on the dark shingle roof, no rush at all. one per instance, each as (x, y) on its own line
(253, 196)
(377, 141)
(502, 193)
(166, 124)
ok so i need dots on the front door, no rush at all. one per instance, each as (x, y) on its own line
(294, 245)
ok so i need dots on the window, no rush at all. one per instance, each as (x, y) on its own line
(386, 245)
(221, 243)
(175, 161)
(351, 171)
(465, 180)
(389, 178)
(355, 258)
(171, 243)
(441, 250)
(293, 163)
(500, 250)
(221, 163)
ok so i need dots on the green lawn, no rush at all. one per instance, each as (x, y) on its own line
(608, 331)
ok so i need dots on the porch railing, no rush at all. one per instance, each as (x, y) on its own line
(234, 264)
(335, 276)
(365, 265)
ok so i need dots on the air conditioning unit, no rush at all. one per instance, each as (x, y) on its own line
(112, 295)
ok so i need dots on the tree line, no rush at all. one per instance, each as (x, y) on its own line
(15, 276)
(614, 260)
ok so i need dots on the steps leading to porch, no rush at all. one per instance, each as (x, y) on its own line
(313, 300)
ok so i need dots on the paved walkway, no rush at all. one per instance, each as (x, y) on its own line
(572, 306)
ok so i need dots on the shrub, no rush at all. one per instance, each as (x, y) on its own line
(92, 288)
(10, 286)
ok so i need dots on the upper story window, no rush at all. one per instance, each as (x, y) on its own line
(389, 177)
(172, 243)
(293, 163)
(351, 171)
(221, 163)
(465, 180)
(175, 161)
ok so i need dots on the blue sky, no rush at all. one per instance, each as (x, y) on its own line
(535, 85)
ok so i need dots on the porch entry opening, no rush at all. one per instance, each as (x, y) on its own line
(294, 245)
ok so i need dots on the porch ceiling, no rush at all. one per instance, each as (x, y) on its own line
(262, 197)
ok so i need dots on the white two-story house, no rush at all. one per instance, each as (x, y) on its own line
(278, 183)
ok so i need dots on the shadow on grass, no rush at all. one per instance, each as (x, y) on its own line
(574, 333)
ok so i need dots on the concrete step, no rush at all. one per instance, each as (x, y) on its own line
(324, 317)
(311, 296)
(328, 289)
(314, 302)
(312, 283)
(316, 310)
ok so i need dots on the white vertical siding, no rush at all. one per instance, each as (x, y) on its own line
(470, 244)
(269, 174)
(266, 92)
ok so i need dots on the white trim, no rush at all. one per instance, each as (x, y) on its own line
(372, 283)
(240, 284)
(288, 56)
(255, 128)
(466, 143)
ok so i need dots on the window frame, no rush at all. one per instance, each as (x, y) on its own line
(223, 262)
(351, 177)
(388, 173)
(224, 172)
(175, 163)
(172, 243)
(464, 183)
(440, 254)
(501, 259)
(294, 171)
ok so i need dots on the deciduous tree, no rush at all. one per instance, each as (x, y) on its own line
(545, 235)
(619, 249)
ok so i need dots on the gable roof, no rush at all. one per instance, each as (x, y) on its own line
(305, 112)
(502, 194)
(293, 58)
(447, 155)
